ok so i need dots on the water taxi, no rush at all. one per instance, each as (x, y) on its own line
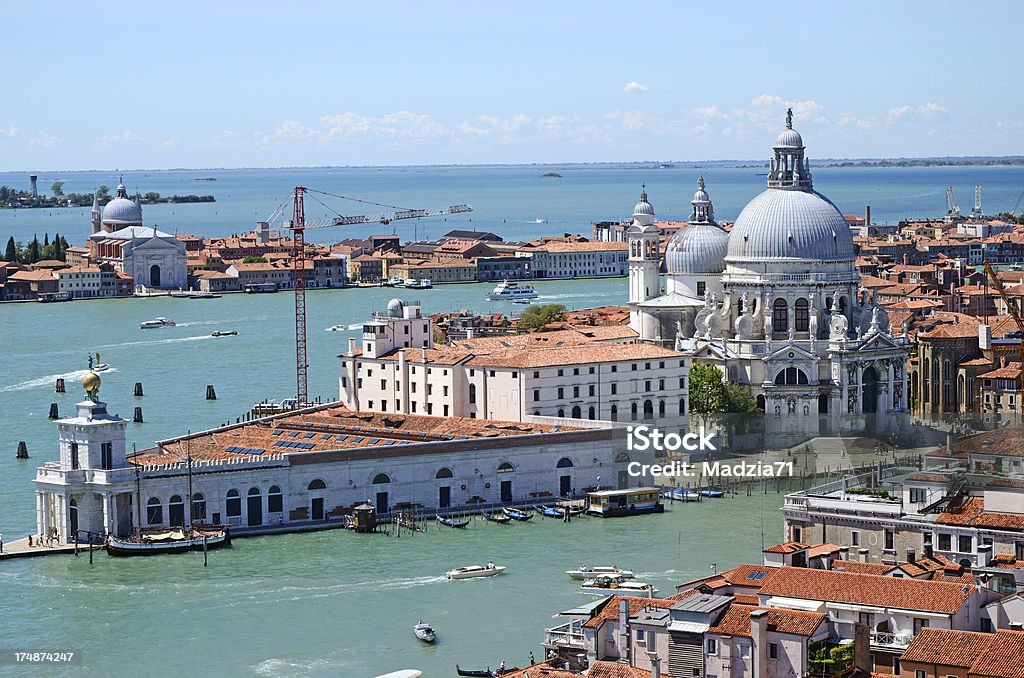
(421, 284)
(225, 333)
(510, 291)
(606, 585)
(473, 571)
(585, 572)
(424, 632)
(156, 323)
(628, 502)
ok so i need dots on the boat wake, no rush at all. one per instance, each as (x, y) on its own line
(200, 322)
(285, 668)
(49, 380)
(155, 342)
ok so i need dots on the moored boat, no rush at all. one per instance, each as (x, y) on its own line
(421, 284)
(451, 522)
(403, 673)
(606, 585)
(474, 571)
(156, 323)
(681, 494)
(424, 632)
(499, 518)
(584, 572)
(550, 511)
(510, 291)
(477, 673)
(516, 514)
(713, 494)
(169, 541)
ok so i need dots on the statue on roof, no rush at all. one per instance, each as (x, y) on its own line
(789, 117)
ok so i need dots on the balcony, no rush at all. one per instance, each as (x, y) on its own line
(565, 636)
(891, 641)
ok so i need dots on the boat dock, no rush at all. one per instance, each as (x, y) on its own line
(19, 548)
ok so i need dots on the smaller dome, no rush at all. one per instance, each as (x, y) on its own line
(643, 208)
(122, 210)
(395, 307)
(789, 138)
(697, 248)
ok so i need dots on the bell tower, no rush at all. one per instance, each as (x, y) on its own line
(644, 258)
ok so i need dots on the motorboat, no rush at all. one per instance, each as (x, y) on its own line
(516, 514)
(421, 284)
(174, 540)
(96, 365)
(451, 522)
(540, 220)
(713, 494)
(585, 572)
(204, 295)
(225, 333)
(499, 518)
(522, 301)
(681, 494)
(510, 291)
(396, 281)
(606, 585)
(424, 632)
(156, 323)
(474, 571)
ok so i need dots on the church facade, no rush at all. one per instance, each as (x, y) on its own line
(775, 303)
(154, 259)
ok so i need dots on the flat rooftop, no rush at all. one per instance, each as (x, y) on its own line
(333, 428)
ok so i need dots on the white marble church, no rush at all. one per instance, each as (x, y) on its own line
(775, 304)
(154, 259)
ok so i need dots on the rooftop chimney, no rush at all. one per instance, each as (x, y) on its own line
(984, 337)
(863, 555)
(351, 345)
(655, 664)
(911, 556)
(928, 551)
(984, 555)
(867, 215)
(623, 629)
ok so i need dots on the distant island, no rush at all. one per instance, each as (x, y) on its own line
(551, 175)
(11, 198)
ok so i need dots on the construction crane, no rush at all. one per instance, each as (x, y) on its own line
(953, 210)
(298, 227)
(976, 212)
(1016, 318)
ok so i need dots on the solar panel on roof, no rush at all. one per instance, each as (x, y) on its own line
(341, 439)
(310, 435)
(326, 436)
(357, 440)
(280, 443)
(555, 428)
(293, 434)
(278, 432)
(374, 441)
(755, 576)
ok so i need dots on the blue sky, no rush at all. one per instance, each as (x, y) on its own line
(257, 84)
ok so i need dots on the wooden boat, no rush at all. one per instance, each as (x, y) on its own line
(473, 571)
(550, 511)
(424, 632)
(713, 494)
(451, 522)
(499, 518)
(516, 514)
(169, 541)
(478, 673)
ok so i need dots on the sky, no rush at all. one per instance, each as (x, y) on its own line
(271, 84)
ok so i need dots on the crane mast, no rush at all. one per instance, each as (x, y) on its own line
(953, 210)
(298, 228)
(976, 212)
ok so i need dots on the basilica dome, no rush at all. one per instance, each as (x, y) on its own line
(790, 220)
(700, 246)
(122, 210)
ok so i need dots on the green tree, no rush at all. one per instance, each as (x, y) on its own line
(254, 260)
(12, 251)
(151, 197)
(103, 192)
(537, 317)
(58, 247)
(739, 399)
(708, 395)
(34, 251)
(57, 188)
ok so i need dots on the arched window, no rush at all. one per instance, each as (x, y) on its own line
(682, 406)
(615, 412)
(381, 479)
(154, 276)
(444, 473)
(648, 409)
(254, 491)
(564, 462)
(317, 485)
(198, 506)
(561, 414)
(234, 504)
(780, 316)
(791, 376)
(154, 511)
(576, 412)
(802, 316)
(842, 305)
(661, 408)
(472, 393)
(275, 501)
(176, 510)
(591, 413)
(506, 467)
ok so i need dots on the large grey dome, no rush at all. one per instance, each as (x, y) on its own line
(122, 210)
(790, 224)
(697, 248)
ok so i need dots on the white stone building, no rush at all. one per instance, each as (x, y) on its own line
(154, 259)
(311, 466)
(512, 378)
(787, 318)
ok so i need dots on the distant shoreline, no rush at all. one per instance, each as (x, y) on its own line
(936, 161)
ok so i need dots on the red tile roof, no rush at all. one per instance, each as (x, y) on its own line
(972, 512)
(610, 611)
(930, 478)
(788, 547)
(1003, 657)
(736, 621)
(866, 589)
(859, 567)
(601, 669)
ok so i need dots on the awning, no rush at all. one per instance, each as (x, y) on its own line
(687, 627)
(586, 609)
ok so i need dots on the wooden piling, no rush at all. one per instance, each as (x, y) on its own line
(138, 389)
(210, 393)
(60, 385)
(22, 450)
(137, 418)
(53, 411)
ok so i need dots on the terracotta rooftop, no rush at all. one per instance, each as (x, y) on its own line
(866, 589)
(819, 550)
(610, 610)
(1003, 656)
(568, 247)
(788, 547)
(972, 512)
(527, 358)
(930, 478)
(334, 429)
(1006, 441)
(736, 621)
(1011, 371)
(602, 669)
(857, 567)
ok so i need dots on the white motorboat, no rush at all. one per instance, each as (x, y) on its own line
(510, 291)
(396, 281)
(404, 673)
(607, 585)
(156, 323)
(421, 284)
(424, 632)
(473, 571)
(586, 572)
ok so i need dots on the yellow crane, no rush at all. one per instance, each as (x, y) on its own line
(1016, 318)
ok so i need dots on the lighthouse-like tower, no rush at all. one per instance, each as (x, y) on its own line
(644, 259)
